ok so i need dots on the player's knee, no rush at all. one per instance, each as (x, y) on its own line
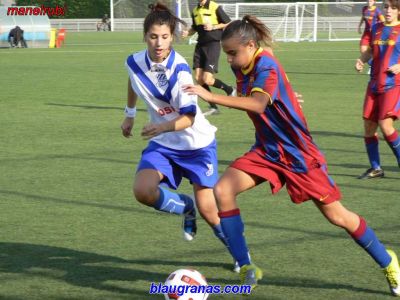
(209, 80)
(386, 127)
(144, 195)
(222, 191)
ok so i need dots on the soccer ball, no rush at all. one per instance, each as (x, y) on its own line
(186, 284)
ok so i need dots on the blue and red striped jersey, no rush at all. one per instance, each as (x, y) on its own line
(372, 16)
(385, 44)
(282, 135)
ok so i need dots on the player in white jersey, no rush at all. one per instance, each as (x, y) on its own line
(181, 141)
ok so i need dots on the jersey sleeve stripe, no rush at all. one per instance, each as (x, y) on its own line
(188, 110)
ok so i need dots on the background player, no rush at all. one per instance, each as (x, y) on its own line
(182, 142)
(284, 151)
(382, 99)
(209, 19)
(371, 15)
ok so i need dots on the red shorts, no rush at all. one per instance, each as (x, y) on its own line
(315, 184)
(365, 38)
(380, 106)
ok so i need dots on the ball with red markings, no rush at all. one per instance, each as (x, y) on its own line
(185, 284)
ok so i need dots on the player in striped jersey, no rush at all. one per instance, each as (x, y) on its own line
(371, 15)
(284, 151)
(382, 100)
(182, 141)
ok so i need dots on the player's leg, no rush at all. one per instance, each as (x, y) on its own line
(364, 236)
(232, 183)
(155, 167)
(212, 52)
(391, 136)
(389, 110)
(207, 207)
(147, 190)
(371, 140)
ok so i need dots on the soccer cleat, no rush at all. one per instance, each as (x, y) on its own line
(372, 173)
(189, 225)
(249, 275)
(392, 273)
(211, 111)
(236, 267)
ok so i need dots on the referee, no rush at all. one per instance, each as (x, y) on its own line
(209, 19)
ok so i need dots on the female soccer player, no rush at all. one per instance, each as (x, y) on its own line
(371, 15)
(382, 99)
(182, 142)
(284, 151)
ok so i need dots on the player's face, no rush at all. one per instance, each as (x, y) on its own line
(159, 39)
(391, 13)
(238, 55)
(371, 3)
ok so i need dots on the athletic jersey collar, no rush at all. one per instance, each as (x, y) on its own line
(250, 67)
(372, 8)
(392, 25)
(166, 63)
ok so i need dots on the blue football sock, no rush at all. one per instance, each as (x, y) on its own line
(366, 238)
(372, 146)
(393, 141)
(233, 229)
(173, 203)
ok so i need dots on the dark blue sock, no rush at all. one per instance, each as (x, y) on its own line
(233, 229)
(173, 203)
(372, 145)
(366, 238)
(393, 141)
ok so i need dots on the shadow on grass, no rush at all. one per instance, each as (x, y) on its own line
(33, 197)
(85, 269)
(91, 270)
(77, 268)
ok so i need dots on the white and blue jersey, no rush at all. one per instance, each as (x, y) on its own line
(160, 86)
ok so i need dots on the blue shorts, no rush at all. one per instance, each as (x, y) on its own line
(200, 166)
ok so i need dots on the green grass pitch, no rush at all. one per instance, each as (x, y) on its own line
(70, 228)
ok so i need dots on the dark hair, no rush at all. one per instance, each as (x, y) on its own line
(160, 14)
(249, 28)
(394, 3)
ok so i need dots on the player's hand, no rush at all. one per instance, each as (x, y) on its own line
(184, 33)
(151, 130)
(359, 30)
(126, 127)
(359, 65)
(395, 69)
(197, 90)
(208, 27)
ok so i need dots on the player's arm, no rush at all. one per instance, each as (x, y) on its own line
(182, 122)
(395, 69)
(130, 111)
(185, 32)
(364, 57)
(223, 20)
(256, 103)
(360, 24)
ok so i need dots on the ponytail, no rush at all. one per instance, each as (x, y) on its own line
(161, 15)
(249, 28)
